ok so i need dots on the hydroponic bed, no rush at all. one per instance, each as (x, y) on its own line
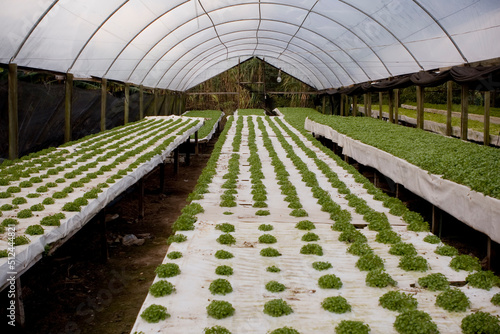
(49, 195)
(212, 120)
(281, 236)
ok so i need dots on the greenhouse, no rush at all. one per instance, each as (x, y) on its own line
(213, 166)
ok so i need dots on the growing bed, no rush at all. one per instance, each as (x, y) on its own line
(276, 231)
(212, 119)
(49, 195)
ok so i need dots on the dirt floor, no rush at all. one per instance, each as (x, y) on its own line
(75, 291)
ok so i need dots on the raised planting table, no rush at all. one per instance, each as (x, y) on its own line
(46, 197)
(279, 229)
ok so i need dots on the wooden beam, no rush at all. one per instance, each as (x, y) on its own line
(126, 105)
(104, 95)
(391, 106)
(141, 102)
(449, 104)
(464, 116)
(487, 100)
(68, 106)
(420, 107)
(13, 113)
(380, 104)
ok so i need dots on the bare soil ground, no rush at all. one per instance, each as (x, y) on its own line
(74, 291)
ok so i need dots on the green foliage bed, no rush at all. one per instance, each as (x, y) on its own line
(465, 163)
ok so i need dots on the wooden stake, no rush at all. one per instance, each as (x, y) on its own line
(324, 104)
(449, 105)
(13, 113)
(68, 105)
(487, 100)
(126, 106)
(464, 117)
(488, 254)
(420, 107)
(104, 94)
(155, 103)
(187, 145)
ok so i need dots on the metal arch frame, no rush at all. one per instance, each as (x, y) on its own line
(386, 29)
(256, 43)
(196, 17)
(136, 35)
(253, 54)
(203, 62)
(258, 27)
(213, 25)
(283, 22)
(443, 29)
(28, 35)
(187, 84)
(94, 33)
(298, 29)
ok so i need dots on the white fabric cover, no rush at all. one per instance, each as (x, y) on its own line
(177, 44)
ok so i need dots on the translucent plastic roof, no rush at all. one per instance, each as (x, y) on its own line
(177, 44)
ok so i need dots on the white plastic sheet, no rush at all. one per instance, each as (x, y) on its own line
(178, 44)
(474, 209)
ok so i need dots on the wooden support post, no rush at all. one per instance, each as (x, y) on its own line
(162, 177)
(487, 100)
(342, 105)
(420, 107)
(196, 144)
(396, 106)
(324, 105)
(346, 158)
(391, 106)
(13, 113)
(464, 116)
(368, 105)
(449, 104)
(355, 105)
(104, 94)
(165, 105)
(68, 105)
(187, 145)
(141, 102)
(398, 191)
(176, 160)
(380, 104)
(375, 178)
(102, 234)
(141, 198)
(20, 314)
(126, 105)
(155, 103)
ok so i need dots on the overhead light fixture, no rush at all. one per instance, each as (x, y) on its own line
(278, 79)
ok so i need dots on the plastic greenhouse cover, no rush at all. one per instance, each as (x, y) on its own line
(179, 43)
